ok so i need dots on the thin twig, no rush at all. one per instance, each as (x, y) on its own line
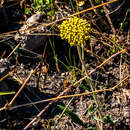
(10, 54)
(13, 51)
(59, 20)
(75, 14)
(68, 96)
(10, 73)
(109, 19)
(66, 90)
(123, 22)
(21, 88)
(57, 121)
(41, 65)
(75, 95)
(70, 86)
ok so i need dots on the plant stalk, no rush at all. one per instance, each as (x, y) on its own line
(81, 57)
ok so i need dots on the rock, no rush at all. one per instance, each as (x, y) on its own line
(4, 69)
(30, 41)
(3, 18)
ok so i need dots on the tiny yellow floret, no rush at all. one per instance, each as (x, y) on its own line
(75, 30)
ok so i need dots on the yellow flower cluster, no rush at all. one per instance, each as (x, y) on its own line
(75, 30)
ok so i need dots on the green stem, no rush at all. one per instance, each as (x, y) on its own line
(81, 57)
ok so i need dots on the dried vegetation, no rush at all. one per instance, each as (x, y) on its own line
(46, 83)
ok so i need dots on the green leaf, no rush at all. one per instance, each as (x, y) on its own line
(97, 1)
(114, 40)
(124, 25)
(109, 117)
(90, 113)
(92, 128)
(6, 93)
(72, 115)
(38, 2)
(101, 10)
(51, 12)
(91, 110)
(96, 118)
(27, 11)
(113, 50)
(84, 87)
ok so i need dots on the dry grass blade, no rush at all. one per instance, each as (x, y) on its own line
(67, 89)
(68, 96)
(10, 73)
(75, 14)
(109, 19)
(21, 88)
(10, 54)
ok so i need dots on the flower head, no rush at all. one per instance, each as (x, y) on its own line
(75, 30)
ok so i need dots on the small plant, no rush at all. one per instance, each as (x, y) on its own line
(72, 116)
(54, 53)
(76, 31)
(110, 119)
(97, 1)
(39, 5)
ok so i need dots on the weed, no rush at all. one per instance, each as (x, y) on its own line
(54, 53)
(39, 5)
(72, 115)
(76, 31)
